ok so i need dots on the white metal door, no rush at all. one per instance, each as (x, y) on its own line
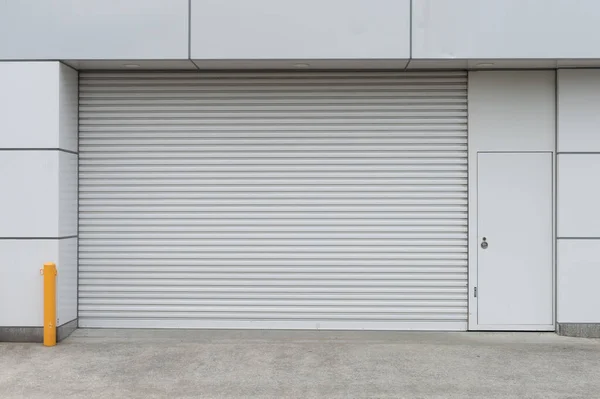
(334, 200)
(514, 262)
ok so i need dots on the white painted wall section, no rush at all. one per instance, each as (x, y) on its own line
(309, 29)
(512, 110)
(38, 176)
(30, 200)
(578, 196)
(21, 286)
(497, 29)
(68, 104)
(94, 29)
(66, 281)
(579, 110)
(38, 105)
(578, 276)
(67, 194)
(29, 116)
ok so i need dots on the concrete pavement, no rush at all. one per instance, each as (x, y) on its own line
(301, 364)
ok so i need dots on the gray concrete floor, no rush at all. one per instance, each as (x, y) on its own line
(287, 364)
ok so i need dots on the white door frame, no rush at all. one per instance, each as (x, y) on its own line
(473, 243)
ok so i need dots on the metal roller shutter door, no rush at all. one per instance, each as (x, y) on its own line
(326, 200)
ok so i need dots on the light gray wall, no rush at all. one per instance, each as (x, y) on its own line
(579, 99)
(497, 29)
(296, 30)
(94, 29)
(512, 110)
(578, 196)
(308, 29)
(579, 209)
(38, 176)
(508, 111)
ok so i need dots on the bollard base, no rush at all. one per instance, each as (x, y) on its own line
(35, 334)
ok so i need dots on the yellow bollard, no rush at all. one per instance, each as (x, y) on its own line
(49, 272)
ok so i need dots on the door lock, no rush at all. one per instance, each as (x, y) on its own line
(484, 243)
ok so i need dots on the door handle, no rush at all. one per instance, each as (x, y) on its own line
(484, 243)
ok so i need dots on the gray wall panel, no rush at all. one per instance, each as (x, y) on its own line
(475, 29)
(94, 29)
(578, 163)
(578, 116)
(309, 29)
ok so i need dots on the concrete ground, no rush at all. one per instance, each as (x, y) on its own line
(287, 364)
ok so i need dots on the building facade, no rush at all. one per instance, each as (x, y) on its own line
(390, 164)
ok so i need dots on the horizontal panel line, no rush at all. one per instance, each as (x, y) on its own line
(374, 267)
(514, 152)
(418, 292)
(339, 130)
(224, 303)
(284, 258)
(40, 149)
(312, 150)
(267, 74)
(293, 213)
(39, 238)
(289, 233)
(578, 238)
(578, 153)
(241, 315)
(280, 323)
(374, 308)
(208, 81)
(247, 275)
(319, 299)
(272, 248)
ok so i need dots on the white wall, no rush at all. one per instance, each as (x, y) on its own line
(66, 281)
(38, 176)
(512, 110)
(47, 90)
(578, 196)
(94, 29)
(497, 29)
(21, 286)
(30, 200)
(578, 276)
(27, 87)
(508, 111)
(68, 104)
(308, 29)
(578, 103)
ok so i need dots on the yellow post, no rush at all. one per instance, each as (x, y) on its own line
(49, 273)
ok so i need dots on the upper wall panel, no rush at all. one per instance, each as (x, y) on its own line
(93, 29)
(496, 29)
(578, 105)
(512, 110)
(48, 90)
(29, 105)
(308, 29)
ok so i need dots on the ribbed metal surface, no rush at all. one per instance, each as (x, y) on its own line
(273, 200)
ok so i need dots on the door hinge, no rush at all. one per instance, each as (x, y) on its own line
(475, 292)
